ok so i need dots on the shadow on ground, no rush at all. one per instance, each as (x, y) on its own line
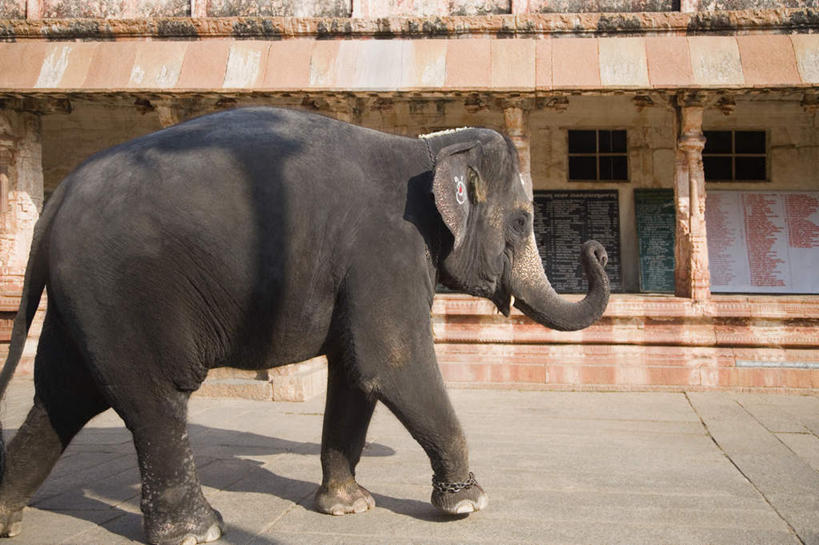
(97, 479)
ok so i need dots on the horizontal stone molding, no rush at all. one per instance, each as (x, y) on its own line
(626, 367)
(575, 24)
(624, 305)
(475, 64)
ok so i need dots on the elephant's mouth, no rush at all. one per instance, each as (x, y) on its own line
(502, 296)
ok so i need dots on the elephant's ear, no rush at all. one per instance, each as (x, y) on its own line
(458, 185)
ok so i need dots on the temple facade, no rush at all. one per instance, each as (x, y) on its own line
(682, 134)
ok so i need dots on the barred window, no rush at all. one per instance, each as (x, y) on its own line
(598, 156)
(735, 156)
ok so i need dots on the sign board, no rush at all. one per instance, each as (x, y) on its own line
(564, 220)
(763, 241)
(654, 210)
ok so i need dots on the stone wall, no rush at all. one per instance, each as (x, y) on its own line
(125, 9)
(792, 133)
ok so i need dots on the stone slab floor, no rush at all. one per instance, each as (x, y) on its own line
(559, 467)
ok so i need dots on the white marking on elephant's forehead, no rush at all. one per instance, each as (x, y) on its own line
(445, 131)
(460, 189)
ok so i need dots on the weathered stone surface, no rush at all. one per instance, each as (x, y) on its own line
(575, 64)
(583, 6)
(715, 61)
(105, 9)
(719, 5)
(246, 63)
(12, 9)
(429, 8)
(807, 57)
(623, 63)
(279, 8)
(802, 20)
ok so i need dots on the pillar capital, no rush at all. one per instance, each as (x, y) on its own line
(518, 103)
(691, 143)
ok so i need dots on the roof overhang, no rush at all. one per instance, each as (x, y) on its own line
(476, 64)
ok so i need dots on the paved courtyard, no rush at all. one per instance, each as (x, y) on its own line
(559, 467)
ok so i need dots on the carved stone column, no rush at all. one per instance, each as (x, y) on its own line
(21, 176)
(516, 119)
(21, 199)
(692, 277)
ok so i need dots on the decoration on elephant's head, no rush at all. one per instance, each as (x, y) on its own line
(460, 189)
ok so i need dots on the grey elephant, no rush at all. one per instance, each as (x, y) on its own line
(255, 238)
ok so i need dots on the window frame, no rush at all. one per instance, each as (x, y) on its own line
(733, 155)
(597, 154)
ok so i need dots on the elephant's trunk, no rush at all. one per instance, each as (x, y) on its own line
(536, 298)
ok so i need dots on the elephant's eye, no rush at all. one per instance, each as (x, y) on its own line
(519, 224)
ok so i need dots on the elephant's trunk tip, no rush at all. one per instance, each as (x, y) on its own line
(538, 300)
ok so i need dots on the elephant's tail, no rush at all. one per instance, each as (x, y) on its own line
(33, 286)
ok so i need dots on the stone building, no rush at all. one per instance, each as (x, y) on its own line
(675, 129)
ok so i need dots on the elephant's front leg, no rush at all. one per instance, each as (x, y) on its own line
(386, 328)
(346, 418)
(414, 391)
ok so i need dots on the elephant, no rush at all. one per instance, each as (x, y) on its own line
(258, 237)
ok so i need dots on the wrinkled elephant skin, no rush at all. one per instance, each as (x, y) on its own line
(255, 238)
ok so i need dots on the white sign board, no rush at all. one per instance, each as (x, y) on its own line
(763, 241)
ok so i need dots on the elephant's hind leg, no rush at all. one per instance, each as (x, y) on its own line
(66, 399)
(346, 418)
(175, 510)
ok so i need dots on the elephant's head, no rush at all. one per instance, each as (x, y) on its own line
(485, 205)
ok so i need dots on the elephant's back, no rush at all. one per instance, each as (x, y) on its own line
(214, 220)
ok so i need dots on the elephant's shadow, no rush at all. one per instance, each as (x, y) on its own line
(97, 479)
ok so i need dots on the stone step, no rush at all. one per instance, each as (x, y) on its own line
(295, 382)
(257, 390)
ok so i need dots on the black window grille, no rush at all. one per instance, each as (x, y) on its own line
(598, 156)
(735, 156)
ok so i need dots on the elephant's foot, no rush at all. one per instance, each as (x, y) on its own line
(188, 532)
(11, 522)
(343, 499)
(459, 498)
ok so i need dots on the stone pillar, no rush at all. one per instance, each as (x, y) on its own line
(516, 119)
(692, 278)
(21, 175)
(21, 184)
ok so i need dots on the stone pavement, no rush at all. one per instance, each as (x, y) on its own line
(559, 467)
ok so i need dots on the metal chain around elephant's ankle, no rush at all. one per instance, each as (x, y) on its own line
(452, 488)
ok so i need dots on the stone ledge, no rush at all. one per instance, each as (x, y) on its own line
(628, 367)
(275, 28)
(626, 305)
